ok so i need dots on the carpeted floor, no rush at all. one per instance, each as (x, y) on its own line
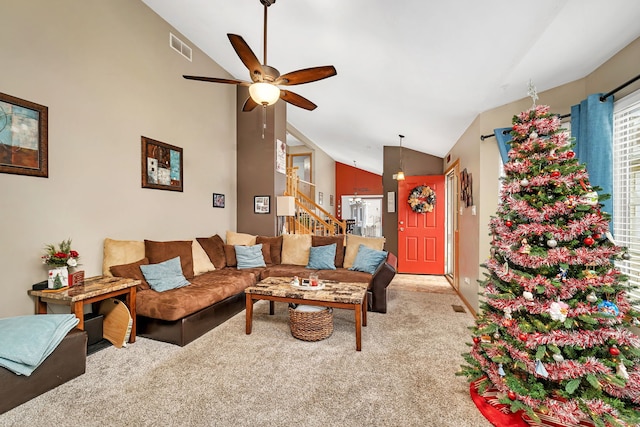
(404, 375)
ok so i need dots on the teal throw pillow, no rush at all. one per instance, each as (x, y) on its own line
(249, 256)
(322, 257)
(368, 260)
(165, 275)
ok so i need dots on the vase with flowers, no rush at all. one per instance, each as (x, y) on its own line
(59, 259)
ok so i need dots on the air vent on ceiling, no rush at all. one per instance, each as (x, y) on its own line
(179, 46)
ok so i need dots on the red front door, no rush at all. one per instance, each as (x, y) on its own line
(421, 235)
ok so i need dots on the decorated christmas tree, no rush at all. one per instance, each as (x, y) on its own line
(552, 334)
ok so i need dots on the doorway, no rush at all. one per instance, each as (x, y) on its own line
(304, 162)
(366, 214)
(421, 236)
(451, 221)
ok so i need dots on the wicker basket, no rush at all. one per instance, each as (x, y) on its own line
(311, 325)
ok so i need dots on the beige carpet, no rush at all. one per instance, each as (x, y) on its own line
(404, 375)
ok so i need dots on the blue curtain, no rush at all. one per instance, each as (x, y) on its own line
(592, 128)
(503, 136)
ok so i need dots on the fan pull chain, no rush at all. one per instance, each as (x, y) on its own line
(264, 119)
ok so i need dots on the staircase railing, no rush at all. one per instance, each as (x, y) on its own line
(310, 218)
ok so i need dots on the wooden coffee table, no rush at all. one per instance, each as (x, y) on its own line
(351, 296)
(93, 290)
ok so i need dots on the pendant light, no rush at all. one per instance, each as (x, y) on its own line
(355, 200)
(400, 174)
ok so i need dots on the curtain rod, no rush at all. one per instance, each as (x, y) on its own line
(602, 99)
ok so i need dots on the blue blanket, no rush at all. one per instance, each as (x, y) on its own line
(26, 341)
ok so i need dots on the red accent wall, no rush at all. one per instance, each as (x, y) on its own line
(350, 180)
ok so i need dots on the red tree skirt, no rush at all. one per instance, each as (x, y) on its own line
(500, 415)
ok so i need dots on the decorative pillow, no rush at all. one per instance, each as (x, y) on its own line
(214, 247)
(165, 275)
(201, 261)
(368, 259)
(276, 247)
(338, 239)
(230, 255)
(244, 239)
(249, 256)
(117, 252)
(353, 244)
(322, 257)
(132, 271)
(161, 251)
(295, 249)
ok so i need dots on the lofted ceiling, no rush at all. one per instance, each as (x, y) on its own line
(424, 69)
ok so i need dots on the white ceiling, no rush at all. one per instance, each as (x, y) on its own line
(423, 69)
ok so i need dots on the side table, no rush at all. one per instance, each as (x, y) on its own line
(94, 289)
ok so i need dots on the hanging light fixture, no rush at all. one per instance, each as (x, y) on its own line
(355, 200)
(400, 174)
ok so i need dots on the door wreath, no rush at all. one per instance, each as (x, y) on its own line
(422, 199)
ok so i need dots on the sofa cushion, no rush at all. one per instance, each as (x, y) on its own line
(338, 239)
(295, 249)
(204, 291)
(132, 271)
(214, 247)
(201, 261)
(276, 247)
(164, 276)
(249, 256)
(232, 261)
(368, 260)
(353, 244)
(118, 252)
(286, 270)
(158, 252)
(322, 257)
(244, 239)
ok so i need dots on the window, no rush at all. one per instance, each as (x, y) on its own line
(626, 185)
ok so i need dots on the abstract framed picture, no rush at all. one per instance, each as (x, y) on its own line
(218, 200)
(24, 142)
(161, 165)
(261, 204)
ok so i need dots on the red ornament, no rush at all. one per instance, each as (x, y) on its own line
(571, 154)
(614, 351)
(555, 174)
(523, 337)
(508, 223)
(588, 241)
(511, 395)
(597, 236)
(476, 340)
(508, 323)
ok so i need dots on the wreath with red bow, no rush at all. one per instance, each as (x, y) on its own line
(422, 199)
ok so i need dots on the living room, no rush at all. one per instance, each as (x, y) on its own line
(108, 77)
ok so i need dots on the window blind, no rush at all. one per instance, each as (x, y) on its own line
(626, 185)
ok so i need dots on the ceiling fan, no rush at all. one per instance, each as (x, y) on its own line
(264, 88)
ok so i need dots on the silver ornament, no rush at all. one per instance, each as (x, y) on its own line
(552, 243)
(626, 256)
(533, 134)
(558, 357)
(527, 295)
(524, 182)
(592, 297)
(496, 335)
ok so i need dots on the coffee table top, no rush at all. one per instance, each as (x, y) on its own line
(333, 291)
(92, 287)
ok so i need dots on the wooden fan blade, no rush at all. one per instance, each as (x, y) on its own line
(249, 104)
(306, 75)
(217, 80)
(248, 58)
(297, 100)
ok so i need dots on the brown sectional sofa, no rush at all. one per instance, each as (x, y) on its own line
(181, 315)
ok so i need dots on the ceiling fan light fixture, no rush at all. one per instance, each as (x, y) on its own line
(264, 93)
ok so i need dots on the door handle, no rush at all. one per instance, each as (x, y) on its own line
(401, 228)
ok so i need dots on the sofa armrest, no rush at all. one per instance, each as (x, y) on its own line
(381, 279)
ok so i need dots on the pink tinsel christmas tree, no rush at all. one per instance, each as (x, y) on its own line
(552, 333)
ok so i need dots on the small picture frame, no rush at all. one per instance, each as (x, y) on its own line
(218, 200)
(320, 198)
(161, 165)
(24, 143)
(262, 204)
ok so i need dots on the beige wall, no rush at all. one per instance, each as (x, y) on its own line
(108, 76)
(481, 158)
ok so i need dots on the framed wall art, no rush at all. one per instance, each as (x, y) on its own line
(218, 200)
(261, 204)
(466, 188)
(161, 165)
(24, 140)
